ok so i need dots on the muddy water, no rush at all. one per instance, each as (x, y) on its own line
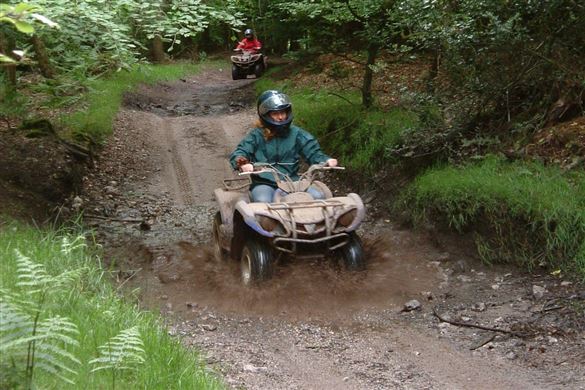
(187, 275)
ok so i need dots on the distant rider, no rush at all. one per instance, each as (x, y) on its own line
(249, 43)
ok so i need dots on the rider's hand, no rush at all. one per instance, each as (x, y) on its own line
(247, 168)
(332, 162)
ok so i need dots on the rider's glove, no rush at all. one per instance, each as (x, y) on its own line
(241, 160)
(247, 168)
(332, 162)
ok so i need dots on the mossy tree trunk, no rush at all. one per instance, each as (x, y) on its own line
(42, 57)
(9, 69)
(158, 50)
(367, 99)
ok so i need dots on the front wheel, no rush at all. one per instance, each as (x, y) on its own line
(352, 254)
(235, 73)
(256, 262)
(258, 69)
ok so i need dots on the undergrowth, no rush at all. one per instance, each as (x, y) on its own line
(359, 138)
(522, 212)
(64, 325)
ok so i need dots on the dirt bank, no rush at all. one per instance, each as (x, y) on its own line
(150, 199)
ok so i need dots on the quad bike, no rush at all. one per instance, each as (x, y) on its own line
(247, 62)
(294, 225)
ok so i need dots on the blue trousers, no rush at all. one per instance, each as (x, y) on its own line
(265, 193)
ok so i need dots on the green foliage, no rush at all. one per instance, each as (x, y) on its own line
(358, 138)
(29, 337)
(507, 60)
(21, 16)
(122, 352)
(525, 212)
(86, 301)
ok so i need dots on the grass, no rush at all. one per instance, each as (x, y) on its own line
(104, 98)
(535, 215)
(94, 305)
(359, 138)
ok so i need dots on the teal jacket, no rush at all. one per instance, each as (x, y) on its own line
(285, 152)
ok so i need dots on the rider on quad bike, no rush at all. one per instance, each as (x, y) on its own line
(249, 42)
(276, 141)
(270, 212)
(249, 59)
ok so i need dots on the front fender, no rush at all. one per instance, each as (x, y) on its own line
(249, 218)
(361, 212)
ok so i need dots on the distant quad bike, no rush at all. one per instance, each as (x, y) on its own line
(258, 234)
(247, 62)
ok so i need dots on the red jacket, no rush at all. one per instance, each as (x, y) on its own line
(245, 44)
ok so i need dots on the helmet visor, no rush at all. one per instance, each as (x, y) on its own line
(277, 102)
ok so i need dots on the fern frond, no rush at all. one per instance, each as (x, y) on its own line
(55, 371)
(14, 325)
(68, 246)
(60, 329)
(18, 333)
(123, 352)
(30, 274)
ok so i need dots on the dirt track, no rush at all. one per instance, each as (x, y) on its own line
(151, 202)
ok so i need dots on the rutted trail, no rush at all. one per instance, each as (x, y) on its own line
(311, 327)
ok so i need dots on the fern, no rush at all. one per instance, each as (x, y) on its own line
(34, 277)
(123, 352)
(28, 340)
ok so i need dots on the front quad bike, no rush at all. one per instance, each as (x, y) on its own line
(256, 234)
(246, 63)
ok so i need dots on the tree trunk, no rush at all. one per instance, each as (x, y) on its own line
(158, 50)
(42, 57)
(369, 75)
(9, 69)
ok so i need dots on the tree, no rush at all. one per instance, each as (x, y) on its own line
(373, 25)
(21, 17)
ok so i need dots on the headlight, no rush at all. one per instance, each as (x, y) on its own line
(269, 224)
(346, 219)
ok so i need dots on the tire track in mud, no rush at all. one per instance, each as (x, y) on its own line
(181, 174)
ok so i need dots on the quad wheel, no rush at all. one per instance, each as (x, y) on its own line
(235, 73)
(218, 252)
(258, 69)
(256, 263)
(352, 254)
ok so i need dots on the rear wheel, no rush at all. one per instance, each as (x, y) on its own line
(352, 254)
(218, 251)
(256, 262)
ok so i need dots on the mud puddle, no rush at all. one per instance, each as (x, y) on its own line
(187, 276)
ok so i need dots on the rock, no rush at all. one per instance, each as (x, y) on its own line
(253, 369)
(511, 355)
(77, 203)
(209, 328)
(411, 305)
(478, 306)
(538, 291)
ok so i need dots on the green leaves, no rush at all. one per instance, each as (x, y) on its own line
(123, 352)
